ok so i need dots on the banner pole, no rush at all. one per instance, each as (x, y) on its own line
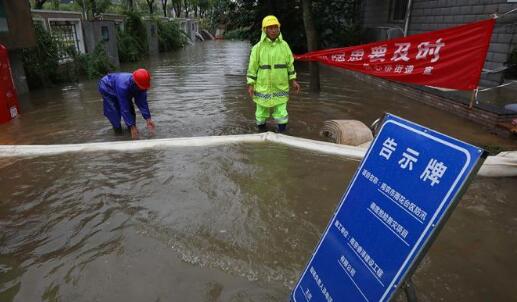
(408, 15)
(473, 98)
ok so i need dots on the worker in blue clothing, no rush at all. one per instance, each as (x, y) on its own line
(118, 90)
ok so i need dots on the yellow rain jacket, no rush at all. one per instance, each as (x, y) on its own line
(270, 69)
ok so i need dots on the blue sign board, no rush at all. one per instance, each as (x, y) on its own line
(408, 181)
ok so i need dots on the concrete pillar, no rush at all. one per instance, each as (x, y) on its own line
(152, 37)
(96, 32)
(18, 73)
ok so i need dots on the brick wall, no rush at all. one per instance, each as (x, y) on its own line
(375, 16)
(429, 15)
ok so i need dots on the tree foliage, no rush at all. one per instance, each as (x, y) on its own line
(44, 64)
(95, 64)
(132, 41)
(91, 7)
(335, 20)
(182, 8)
(170, 36)
(164, 7)
(150, 5)
(42, 61)
(38, 4)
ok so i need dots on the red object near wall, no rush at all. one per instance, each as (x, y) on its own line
(9, 107)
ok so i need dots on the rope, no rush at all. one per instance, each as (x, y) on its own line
(502, 85)
(495, 16)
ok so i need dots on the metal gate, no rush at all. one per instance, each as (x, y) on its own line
(66, 33)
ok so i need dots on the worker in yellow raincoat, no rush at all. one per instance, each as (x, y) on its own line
(270, 72)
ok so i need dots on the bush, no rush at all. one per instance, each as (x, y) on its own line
(95, 64)
(41, 62)
(43, 67)
(132, 42)
(170, 36)
(240, 33)
(129, 50)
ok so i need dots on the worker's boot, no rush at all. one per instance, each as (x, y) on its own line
(262, 127)
(117, 130)
(282, 128)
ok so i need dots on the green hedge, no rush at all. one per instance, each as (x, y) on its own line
(240, 33)
(43, 67)
(170, 36)
(95, 64)
(132, 41)
(41, 62)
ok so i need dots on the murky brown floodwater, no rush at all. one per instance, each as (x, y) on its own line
(234, 223)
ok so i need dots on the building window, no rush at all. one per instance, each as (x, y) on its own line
(105, 33)
(398, 10)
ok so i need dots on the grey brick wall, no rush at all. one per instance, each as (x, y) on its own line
(375, 15)
(429, 15)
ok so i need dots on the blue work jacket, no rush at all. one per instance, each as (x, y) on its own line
(122, 87)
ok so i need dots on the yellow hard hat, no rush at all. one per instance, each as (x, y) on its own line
(269, 20)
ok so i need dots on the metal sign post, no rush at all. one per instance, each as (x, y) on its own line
(401, 195)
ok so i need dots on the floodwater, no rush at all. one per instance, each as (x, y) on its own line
(227, 223)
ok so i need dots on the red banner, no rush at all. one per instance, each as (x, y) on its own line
(449, 58)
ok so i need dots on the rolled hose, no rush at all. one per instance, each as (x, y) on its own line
(347, 132)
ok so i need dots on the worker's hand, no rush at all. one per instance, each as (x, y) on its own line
(295, 86)
(150, 126)
(134, 132)
(250, 90)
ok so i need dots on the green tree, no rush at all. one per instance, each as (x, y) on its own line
(164, 7)
(177, 5)
(41, 63)
(150, 5)
(204, 5)
(334, 20)
(132, 42)
(94, 7)
(312, 44)
(38, 4)
(170, 36)
(337, 22)
(95, 64)
(55, 4)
